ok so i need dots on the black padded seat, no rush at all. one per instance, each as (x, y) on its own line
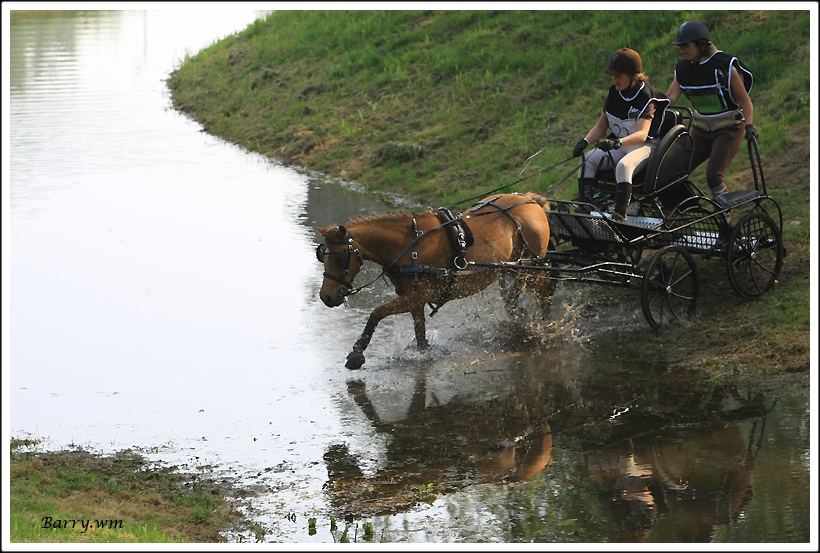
(668, 162)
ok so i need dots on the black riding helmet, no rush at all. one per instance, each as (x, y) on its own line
(690, 32)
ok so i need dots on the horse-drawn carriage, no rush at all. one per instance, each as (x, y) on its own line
(432, 258)
(675, 219)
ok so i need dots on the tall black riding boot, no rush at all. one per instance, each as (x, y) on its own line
(586, 191)
(622, 197)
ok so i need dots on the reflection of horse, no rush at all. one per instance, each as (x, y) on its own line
(426, 265)
(445, 431)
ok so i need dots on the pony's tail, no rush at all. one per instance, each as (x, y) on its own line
(543, 201)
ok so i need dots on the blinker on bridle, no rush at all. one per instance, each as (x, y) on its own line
(343, 260)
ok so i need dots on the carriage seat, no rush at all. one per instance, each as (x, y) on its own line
(668, 163)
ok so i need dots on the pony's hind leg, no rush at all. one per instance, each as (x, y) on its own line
(543, 290)
(511, 288)
(539, 286)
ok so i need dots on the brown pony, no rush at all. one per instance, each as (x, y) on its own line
(416, 254)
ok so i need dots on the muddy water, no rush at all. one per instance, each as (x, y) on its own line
(162, 296)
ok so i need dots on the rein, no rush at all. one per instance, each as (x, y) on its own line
(545, 169)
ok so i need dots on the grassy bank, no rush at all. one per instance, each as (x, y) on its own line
(441, 106)
(75, 496)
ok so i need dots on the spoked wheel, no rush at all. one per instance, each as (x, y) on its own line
(755, 255)
(670, 287)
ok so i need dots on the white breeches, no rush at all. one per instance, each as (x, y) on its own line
(627, 161)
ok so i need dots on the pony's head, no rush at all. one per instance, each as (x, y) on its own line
(342, 262)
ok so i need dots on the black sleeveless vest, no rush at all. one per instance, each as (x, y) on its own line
(623, 109)
(706, 84)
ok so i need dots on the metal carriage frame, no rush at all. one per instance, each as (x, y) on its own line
(676, 221)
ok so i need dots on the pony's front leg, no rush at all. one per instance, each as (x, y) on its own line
(420, 329)
(411, 302)
(355, 358)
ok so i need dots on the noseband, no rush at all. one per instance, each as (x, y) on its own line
(344, 260)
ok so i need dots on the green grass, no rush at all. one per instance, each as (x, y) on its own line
(120, 499)
(486, 87)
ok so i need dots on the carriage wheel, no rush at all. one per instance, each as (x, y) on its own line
(670, 287)
(755, 255)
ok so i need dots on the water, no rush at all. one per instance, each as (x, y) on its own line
(162, 295)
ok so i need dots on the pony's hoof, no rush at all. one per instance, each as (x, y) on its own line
(355, 359)
(424, 346)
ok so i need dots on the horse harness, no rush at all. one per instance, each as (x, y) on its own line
(458, 233)
(460, 237)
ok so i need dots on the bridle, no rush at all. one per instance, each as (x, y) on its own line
(343, 261)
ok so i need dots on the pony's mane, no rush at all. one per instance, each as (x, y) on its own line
(379, 217)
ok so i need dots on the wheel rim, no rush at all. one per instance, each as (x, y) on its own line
(755, 255)
(670, 287)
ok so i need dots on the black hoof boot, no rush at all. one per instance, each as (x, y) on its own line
(355, 359)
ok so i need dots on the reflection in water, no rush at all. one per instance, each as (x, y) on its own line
(328, 201)
(689, 479)
(663, 455)
(447, 433)
(37, 39)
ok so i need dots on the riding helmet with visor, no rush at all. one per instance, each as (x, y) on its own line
(690, 32)
(624, 62)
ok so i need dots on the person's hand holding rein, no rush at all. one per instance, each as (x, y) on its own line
(608, 144)
(580, 147)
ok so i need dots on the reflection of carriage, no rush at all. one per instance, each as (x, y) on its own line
(430, 259)
(672, 217)
(692, 473)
